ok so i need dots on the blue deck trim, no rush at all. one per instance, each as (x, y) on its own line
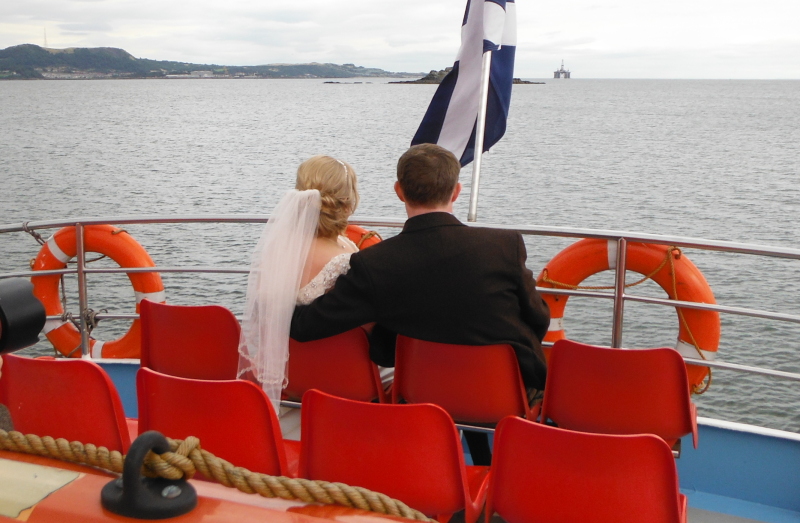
(738, 462)
(123, 374)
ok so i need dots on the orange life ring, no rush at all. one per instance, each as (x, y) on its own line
(699, 329)
(362, 237)
(118, 245)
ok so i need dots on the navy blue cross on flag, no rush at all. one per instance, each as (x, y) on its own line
(451, 118)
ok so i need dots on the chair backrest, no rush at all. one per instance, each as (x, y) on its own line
(190, 341)
(64, 398)
(408, 452)
(545, 474)
(338, 365)
(619, 391)
(234, 419)
(475, 384)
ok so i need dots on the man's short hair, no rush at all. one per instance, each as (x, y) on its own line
(428, 174)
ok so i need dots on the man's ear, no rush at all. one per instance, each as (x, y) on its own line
(456, 192)
(399, 191)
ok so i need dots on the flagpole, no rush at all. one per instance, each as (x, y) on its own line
(480, 129)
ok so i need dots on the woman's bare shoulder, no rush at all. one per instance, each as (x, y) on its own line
(321, 253)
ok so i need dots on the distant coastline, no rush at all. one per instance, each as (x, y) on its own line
(30, 62)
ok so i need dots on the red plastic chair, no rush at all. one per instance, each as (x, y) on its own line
(475, 384)
(619, 391)
(543, 474)
(234, 419)
(338, 365)
(64, 398)
(198, 342)
(409, 452)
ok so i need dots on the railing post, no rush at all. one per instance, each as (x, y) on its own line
(83, 302)
(619, 292)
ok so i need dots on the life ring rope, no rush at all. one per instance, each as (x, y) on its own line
(696, 388)
(672, 249)
(370, 234)
(32, 232)
(361, 236)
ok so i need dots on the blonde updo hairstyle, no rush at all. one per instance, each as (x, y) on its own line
(338, 188)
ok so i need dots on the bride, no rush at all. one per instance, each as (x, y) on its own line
(301, 252)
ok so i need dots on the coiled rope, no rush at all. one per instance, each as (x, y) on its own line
(187, 457)
(668, 258)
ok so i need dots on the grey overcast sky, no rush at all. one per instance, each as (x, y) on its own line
(611, 39)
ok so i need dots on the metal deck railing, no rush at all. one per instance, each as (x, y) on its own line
(619, 295)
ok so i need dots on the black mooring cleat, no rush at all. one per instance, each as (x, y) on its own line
(135, 496)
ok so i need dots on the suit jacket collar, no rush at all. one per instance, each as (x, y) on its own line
(430, 220)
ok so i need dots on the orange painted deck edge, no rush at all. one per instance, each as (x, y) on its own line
(79, 502)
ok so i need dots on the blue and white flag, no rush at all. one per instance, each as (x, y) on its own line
(489, 25)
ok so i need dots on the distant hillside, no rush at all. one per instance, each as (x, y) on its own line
(32, 61)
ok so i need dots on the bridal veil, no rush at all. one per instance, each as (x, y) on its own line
(274, 281)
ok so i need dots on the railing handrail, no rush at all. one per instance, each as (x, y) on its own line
(537, 230)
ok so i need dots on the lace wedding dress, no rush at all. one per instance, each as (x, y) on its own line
(324, 280)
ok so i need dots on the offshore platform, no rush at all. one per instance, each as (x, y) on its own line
(561, 73)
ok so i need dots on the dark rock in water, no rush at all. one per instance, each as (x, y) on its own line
(436, 77)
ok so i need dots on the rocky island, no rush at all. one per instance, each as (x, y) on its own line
(436, 77)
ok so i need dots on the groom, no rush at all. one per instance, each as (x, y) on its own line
(438, 280)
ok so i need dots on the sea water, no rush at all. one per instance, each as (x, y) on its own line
(712, 159)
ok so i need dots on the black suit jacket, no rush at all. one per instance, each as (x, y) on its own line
(439, 280)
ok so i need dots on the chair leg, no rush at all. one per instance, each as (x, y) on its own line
(479, 449)
(676, 449)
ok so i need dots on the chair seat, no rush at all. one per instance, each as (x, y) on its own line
(233, 419)
(292, 448)
(619, 391)
(408, 452)
(560, 475)
(190, 341)
(477, 385)
(133, 428)
(72, 399)
(339, 365)
(477, 478)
